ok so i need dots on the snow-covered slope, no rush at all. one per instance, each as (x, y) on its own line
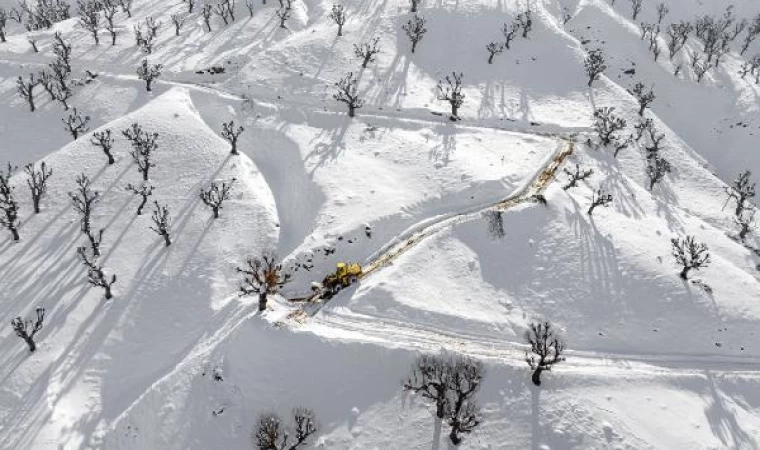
(177, 360)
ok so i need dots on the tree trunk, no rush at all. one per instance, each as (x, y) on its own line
(167, 240)
(685, 273)
(490, 58)
(145, 173)
(110, 159)
(454, 435)
(536, 378)
(36, 202)
(351, 110)
(113, 38)
(147, 85)
(30, 342)
(216, 213)
(340, 30)
(641, 110)
(142, 205)
(109, 296)
(14, 231)
(454, 111)
(414, 45)
(263, 301)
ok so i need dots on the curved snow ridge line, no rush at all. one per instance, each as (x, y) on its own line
(399, 334)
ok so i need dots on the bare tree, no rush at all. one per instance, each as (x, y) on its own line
(76, 124)
(143, 146)
(525, 19)
(367, 51)
(270, 436)
(690, 254)
(148, 73)
(96, 276)
(162, 222)
(608, 127)
(642, 127)
(190, 5)
(8, 204)
(215, 196)
(57, 88)
(679, 34)
(284, 14)
(746, 222)
(657, 168)
(37, 182)
(3, 24)
(110, 7)
(338, 15)
(104, 140)
(348, 93)
(463, 383)
(262, 276)
(84, 199)
(636, 8)
(221, 10)
(599, 198)
(452, 93)
(494, 48)
(249, 4)
(27, 329)
(206, 11)
(645, 98)
(429, 378)
(595, 65)
(126, 7)
(752, 32)
(576, 176)
(231, 135)
(415, 5)
(89, 17)
(145, 37)
(178, 20)
(62, 51)
(144, 191)
(662, 11)
(33, 43)
(26, 89)
(510, 33)
(741, 191)
(415, 30)
(546, 349)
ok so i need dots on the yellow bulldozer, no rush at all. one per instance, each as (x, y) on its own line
(345, 275)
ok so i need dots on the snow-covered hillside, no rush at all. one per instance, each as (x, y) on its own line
(178, 360)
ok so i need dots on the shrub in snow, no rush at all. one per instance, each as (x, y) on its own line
(452, 93)
(231, 135)
(367, 51)
(338, 15)
(608, 127)
(263, 276)
(161, 222)
(546, 349)
(657, 168)
(27, 329)
(741, 192)
(104, 140)
(576, 176)
(690, 254)
(144, 191)
(644, 97)
(8, 203)
(415, 29)
(76, 124)
(271, 435)
(96, 276)
(678, 34)
(37, 182)
(148, 73)
(215, 196)
(595, 65)
(143, 146)
(348, 93)
(599, 198)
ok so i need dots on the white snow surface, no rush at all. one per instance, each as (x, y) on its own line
(178, 360)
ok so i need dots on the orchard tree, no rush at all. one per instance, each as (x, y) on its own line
(367, 51)
(525, 20)
(126, 7)
(510, 33)
(145, 190)
(263, 276)
(599, 198)
(741, 191)
(231, 135)
(271, 435)
(595, 65)
(452, 93)
(110, 7)
(494, 48)
(96, 275)
(690, 254)
(27, 329)
(657, 168)
(215, 196)
(162, 222)
(338, 15)
(636, 8)
(104, 141)
(546, 349)
(148, 73)
(746, 222)
(206, 11)
(83, 200)
(143, 146)
(678, 34)
(89, 17)
(429, 378)
(644, 97)
(608, 127)
(8, 203)
(3, 24)
(284, 14)
(179, 20)
(25, 89)
(76, 124)
(576, 176)
(348, 93)
(37, 181)
(462, 412)
(415, 29)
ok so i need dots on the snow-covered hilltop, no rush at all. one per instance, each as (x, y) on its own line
(528, 162)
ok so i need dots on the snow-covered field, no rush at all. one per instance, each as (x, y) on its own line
(178, 360)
